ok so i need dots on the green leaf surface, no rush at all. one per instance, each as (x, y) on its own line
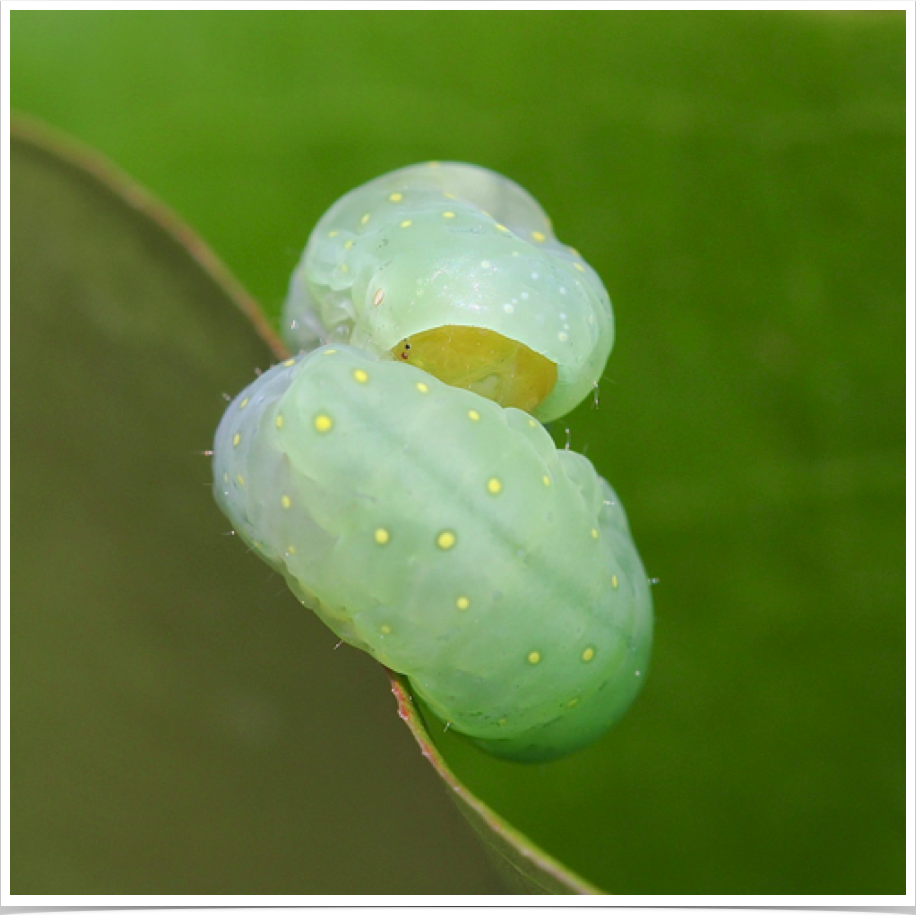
(737, 179)
(181, 724)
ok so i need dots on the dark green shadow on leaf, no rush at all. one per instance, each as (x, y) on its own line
(180, 724)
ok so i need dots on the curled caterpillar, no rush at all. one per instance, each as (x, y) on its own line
(401, 481)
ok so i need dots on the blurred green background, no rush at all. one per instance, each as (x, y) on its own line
(737, 179)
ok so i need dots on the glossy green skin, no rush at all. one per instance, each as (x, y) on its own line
(451, 244)
(527, 626)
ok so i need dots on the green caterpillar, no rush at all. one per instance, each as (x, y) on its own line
(435, 527)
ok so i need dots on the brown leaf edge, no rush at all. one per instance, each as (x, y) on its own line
(27, 129)
(524, 865)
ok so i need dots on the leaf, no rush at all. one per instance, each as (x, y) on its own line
(182, 725)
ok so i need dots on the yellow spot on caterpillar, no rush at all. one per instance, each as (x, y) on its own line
(323, 423)
(494, 486)
(243, 404)
(449, 196)
(240, 480)
(446, 540)
(474, 416)
(407, 223)
(572, 703)
(594, 533)
(579, 267)
(448, 214)
(349, 243)
(360, 376)
(532, 423)
(573, 251)
(236, 439)
(285, 501)
(365, 219)
(539, 236)
(329, 352)
(545, 480)
(381, 536)
(289, 362)
(278, 422)
(344, 268)
(534, 657)
(385, 630)
(588, 654)
(225, 477)
(333, 233)
(395, 197)
(422, 388)
(501, 722)
(291, 550)
(501, 228)
(379, 297)
(614, 582)
(433, 163)
(462, 603)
